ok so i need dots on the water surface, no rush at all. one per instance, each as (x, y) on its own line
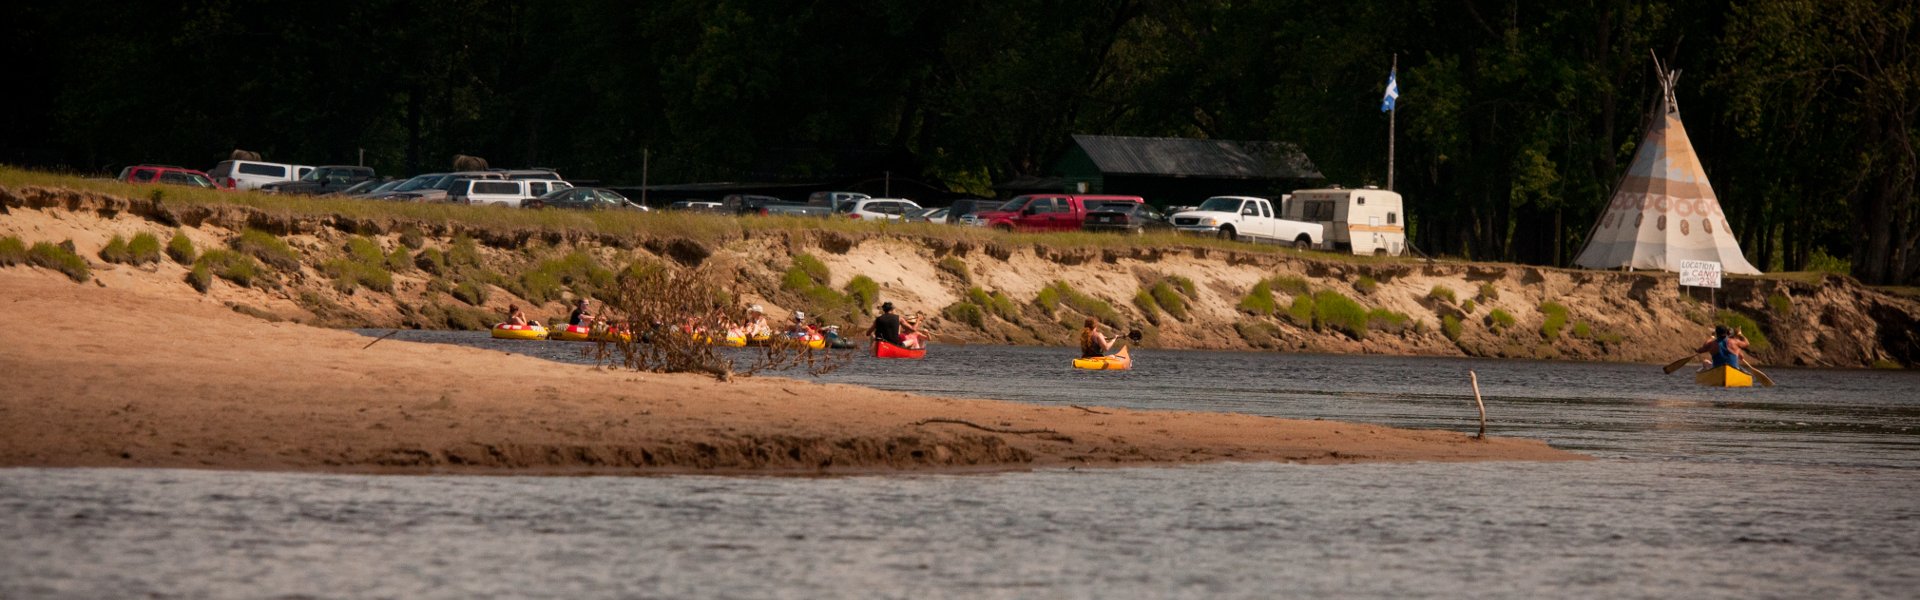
(1809, 489)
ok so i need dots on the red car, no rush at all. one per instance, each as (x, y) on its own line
(165, 174)
(1046, 212)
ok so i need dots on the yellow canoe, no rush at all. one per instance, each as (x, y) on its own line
(1118, 361)
(1723, 377)
(519, 332)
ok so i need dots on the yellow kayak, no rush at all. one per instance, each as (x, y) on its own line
(519, 332)
(576, 333)
(1723, 377)
(1118, 361)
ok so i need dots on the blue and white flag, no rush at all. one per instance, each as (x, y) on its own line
(1393, 91)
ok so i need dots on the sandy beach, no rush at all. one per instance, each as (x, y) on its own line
(136, 380)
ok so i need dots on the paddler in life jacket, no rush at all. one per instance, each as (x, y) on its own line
(1093, 344)
(799, 329)
(756, 326)
(1728, 348)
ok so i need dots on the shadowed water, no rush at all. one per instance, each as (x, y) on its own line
(1809, 489)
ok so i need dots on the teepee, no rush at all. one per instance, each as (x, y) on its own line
(1663, 211)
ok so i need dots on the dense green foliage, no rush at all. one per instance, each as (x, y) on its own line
(240, 269)
(1259, 300)
(180, 248)
(1450, 326)
(59, 258)
(958, 268)
(1515, 119)
(116, 251)
(1441, 292)
(268, 249)
(1553, 319)
(144, 248)
(864, 291)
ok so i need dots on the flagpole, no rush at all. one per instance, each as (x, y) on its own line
(1391, 113)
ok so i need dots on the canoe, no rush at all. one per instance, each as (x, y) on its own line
(885, 350)
(1118, 361)
(1723, 377)
(519, 332)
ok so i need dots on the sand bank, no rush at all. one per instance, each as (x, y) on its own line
(110, 376)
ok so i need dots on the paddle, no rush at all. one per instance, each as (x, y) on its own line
(1676, 365)
(1754, 368)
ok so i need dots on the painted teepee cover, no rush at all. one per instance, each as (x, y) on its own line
(1664, 211)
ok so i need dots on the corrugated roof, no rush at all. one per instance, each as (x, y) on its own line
(1184, 157)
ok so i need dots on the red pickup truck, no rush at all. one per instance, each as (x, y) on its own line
(1046, 212)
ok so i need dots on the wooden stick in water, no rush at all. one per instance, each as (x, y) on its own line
(1483, 404)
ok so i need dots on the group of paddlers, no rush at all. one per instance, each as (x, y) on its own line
(888, 327)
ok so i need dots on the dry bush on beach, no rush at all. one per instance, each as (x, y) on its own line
(675, 317)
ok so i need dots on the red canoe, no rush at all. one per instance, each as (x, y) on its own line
(882, 349)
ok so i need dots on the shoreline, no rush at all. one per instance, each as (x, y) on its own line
(140, 380)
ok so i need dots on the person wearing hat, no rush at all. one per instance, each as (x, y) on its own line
(1728, 348)
(756, 327)
(799, 328)
(911, 334)
(886, 327)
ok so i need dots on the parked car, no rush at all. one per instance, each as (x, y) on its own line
(540, 187)
(1046, 212)
(529, 173)
(696, 206)
(434, 187)
(962, 211)
(926, 215)
(165, 174)
(322, 180)
(368, 187)
(833, 200)
(583, 198)
(879, 209)
(1125, 217)
(250, 175)
(750, 204)
(1248, 219)
(488, 192)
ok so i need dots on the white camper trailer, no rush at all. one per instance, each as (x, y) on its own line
(1366, 221)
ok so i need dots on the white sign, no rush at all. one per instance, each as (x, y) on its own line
(1700, 273)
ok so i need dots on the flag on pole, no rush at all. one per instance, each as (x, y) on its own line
(1393, 91)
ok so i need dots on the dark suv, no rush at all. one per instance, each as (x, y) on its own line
(1124, 217)
(323, 180)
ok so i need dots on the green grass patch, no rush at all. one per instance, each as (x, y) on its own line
(1499, 320)
(464, 252)
(59, 258)
(1259, 300)
(1450, 326)
(1488, 293)
(1060, 293)
(1184, 284)
(995, 303)
(12, 251)
(240, 269)
(1290, 285)
(1143, 300)
(1366, 285)
(1468, 306)
(958, 268)
(1883, 363)
(863, 291)
(578, 272)
(116, 251)
(1780, 303)
(268, 249)
(966, 312)
(1443, 293)
(363, 265)
(1756, 338)
(1170, 298)
(471, 293)
(1381, 319)
(180, 248)
(433, 261)
(1553, 319)
(1259, 334)
(1334, 310)
(145, 248)
(812, 267)
(412, 238)
(1301, 311)
(1582, 331)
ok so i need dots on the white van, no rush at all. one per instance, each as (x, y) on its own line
(250, 175)
(539, 187)
(488, 192)
(1365, 221)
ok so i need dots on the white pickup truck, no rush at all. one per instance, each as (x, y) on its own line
(1248, 219)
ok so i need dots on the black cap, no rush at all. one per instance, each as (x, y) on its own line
(1720, 331)
(886, 307)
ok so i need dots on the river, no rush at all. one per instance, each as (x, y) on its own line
(1808, 489)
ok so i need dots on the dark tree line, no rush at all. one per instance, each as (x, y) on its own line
(1516, 118)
